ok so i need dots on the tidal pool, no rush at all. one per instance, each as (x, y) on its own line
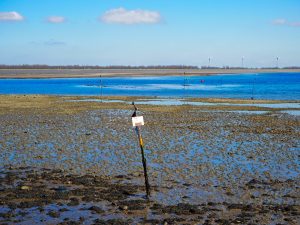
(180, 102)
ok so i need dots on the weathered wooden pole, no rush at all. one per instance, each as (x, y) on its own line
(101, 85)
(137, 122)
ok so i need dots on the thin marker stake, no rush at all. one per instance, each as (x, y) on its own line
(138, 121)
(101, 85)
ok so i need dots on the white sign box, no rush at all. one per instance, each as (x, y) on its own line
(138, 121)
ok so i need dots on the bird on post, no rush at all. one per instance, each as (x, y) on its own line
(135, 109)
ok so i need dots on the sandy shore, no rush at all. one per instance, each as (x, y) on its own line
(76, 162)
(65, 73)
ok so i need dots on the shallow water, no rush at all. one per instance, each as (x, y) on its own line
(281, 86)
(182, 102)
(292, 112)
(178, 102)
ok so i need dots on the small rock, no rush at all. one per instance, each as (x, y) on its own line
(64, 210)
(25, 187)
(73, 202)
(60, 188)
(54, 214)
(123, 207)
(96, 209)
(136, 174)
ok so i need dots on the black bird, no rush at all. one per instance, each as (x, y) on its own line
(135, 109)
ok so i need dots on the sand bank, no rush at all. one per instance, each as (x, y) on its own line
(73, 73)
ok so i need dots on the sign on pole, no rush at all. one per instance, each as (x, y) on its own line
(138, 121)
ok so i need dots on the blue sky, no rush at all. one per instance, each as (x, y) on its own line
(150, 32)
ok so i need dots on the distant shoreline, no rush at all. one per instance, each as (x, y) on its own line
(90, 73)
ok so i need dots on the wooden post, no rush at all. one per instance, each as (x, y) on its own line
(144, 161)
(141, 143)
(101, 85)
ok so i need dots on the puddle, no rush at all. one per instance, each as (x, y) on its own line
(178, 102)
(292, 112)
(274, 105)
(239, 111)
(182, 102)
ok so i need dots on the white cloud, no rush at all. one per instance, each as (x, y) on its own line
(56, 19)
(124, 16)
(284, 22)
(279, 22)
(11, 16)
(295, 24)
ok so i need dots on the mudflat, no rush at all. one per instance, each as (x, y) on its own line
(66, 161)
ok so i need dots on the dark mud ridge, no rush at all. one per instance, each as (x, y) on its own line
(44, 196)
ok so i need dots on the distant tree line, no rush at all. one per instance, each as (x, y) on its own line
(38, 66)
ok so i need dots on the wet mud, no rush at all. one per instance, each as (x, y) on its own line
(79, 163)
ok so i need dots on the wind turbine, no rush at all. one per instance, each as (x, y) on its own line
(243, 61)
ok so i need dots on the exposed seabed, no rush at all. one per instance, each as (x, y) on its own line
(207, 163)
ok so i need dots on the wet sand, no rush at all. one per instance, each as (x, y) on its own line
(78, 162)
(80, 73)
